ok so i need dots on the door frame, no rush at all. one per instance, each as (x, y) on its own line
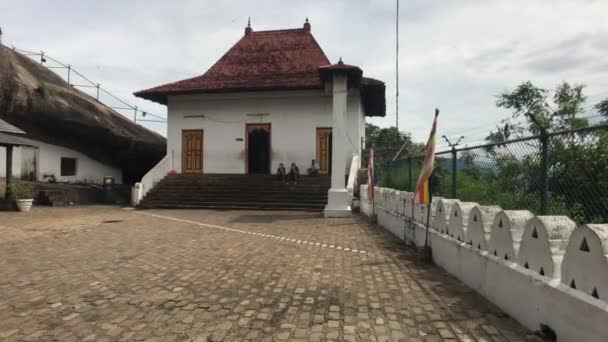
(318, 151)
(185, 156)
(247, 125)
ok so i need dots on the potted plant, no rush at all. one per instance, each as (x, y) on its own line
(23, 194)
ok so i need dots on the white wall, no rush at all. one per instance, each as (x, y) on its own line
(49, 162)
(293, 115)
(16, 162)
(529, 297)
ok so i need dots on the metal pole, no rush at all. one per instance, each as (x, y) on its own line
(544, 177)
(409, 173)
(454, 156)
(69, 70)
(135, 115)
(428, 212)
(454, 166)
(97, 91)
(8, 192)
(397, 67)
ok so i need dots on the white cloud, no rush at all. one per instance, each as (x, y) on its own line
(455, 55)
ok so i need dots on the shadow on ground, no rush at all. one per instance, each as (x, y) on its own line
(270, 217)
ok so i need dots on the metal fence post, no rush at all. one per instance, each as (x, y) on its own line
(409, 173)
(454, 156)
(544, 177)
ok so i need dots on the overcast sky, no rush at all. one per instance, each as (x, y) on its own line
(455, 55)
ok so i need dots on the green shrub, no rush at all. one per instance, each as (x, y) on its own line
(20, 191)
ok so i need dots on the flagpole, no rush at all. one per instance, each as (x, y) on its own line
(428, 212)
(424, 192)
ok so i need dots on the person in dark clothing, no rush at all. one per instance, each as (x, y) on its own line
(313, 170)
(294, 173)
(282, 172)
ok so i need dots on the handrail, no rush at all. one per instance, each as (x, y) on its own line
(149, 180)
(352, 175)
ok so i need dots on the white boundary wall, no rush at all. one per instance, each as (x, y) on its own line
(573, 302)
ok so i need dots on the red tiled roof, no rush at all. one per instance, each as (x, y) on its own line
(354, 72)
(263, 60)
(280, 59)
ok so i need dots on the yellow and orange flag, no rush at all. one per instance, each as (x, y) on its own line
(423, 194)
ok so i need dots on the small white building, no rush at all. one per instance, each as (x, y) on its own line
(53, 163)
(273, 98)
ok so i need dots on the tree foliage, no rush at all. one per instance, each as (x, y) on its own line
(388, 141)
(602, 107)
(534, 110)
(511, 174)
(577, 162)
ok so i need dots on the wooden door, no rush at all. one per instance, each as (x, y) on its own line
(257, 146)
(192, 151)
(324, 137)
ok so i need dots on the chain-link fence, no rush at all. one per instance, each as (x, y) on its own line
(563, 173)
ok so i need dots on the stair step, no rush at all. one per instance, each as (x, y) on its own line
(238, 192)
(231, 200)
(181, 206)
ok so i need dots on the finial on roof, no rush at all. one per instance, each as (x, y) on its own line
(306, 25)
(248, 29)
(340, 61)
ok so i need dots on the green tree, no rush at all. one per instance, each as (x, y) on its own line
(577, 171)
(535, 110)
(602, 107)
(388, 141)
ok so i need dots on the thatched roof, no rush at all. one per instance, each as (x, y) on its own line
(41, 103)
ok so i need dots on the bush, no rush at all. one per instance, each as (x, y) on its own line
(20, 191)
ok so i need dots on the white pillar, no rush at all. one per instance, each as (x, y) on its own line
(337, 197)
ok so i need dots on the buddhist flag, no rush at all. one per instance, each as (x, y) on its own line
(423, 194)
(370, 175)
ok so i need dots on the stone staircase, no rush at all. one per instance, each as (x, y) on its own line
(223, 191)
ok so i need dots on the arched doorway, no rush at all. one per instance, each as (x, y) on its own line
(258, 148)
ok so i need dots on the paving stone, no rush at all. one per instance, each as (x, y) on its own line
(147, 278)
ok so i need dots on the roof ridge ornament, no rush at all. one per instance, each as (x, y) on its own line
(248, 29)
(306, 25)
(340, 61)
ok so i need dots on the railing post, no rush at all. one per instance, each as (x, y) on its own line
(409, 173)
(544, 177)
(454, 160)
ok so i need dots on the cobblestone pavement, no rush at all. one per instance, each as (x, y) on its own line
(108, 274)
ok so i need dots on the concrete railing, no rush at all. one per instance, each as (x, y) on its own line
(538, 269)
(149, 180)
(352, 175)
